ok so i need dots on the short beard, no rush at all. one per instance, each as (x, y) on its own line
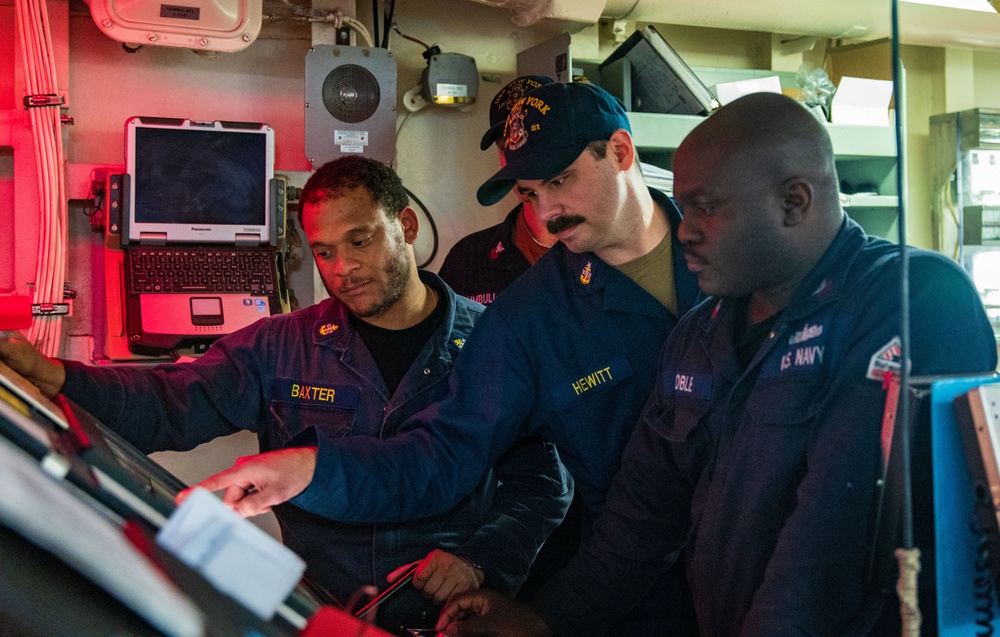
(557, 225)
(397, 278)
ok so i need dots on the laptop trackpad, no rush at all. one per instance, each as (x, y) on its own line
(206, 310)
(187, 315)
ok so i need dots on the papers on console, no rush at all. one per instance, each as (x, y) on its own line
(238, 558)
(44, 512)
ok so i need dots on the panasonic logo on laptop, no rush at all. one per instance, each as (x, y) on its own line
(193, 229)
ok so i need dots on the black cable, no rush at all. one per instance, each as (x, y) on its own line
(904, 292)
(387, 24)
(375, 14)
(434, 230)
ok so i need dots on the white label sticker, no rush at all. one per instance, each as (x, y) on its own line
(452, 90)
(350, 137)
(352, 149)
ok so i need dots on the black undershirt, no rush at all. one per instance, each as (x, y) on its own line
(395, 350)
(749, 339)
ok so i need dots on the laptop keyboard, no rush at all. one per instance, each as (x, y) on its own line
(153, 270)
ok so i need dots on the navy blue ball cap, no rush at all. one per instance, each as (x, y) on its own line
(546, 131)
(504, 100)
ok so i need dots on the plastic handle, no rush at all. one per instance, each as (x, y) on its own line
(15, 312)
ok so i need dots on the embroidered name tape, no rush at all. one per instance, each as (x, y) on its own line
(598, 379)
(307, 392)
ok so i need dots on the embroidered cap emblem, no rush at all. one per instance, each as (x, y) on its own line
(515, 134)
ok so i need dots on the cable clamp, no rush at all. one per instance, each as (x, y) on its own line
(49, 309)
(40, 100)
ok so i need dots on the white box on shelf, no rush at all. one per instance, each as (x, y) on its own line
(861, 101)
(729, 91)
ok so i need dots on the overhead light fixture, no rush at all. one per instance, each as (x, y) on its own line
(964, 5)
(200, 25)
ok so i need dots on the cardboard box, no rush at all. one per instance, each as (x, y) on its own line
(862, 102)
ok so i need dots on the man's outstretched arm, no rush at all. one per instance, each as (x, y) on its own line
(254, 484)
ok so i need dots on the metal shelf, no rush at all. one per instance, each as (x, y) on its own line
(665, 132)
(889, 203)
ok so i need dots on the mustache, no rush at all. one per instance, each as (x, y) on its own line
(557, 225)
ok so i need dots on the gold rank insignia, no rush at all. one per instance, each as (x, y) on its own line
(459, 342)
(329, 328)
(585, 274)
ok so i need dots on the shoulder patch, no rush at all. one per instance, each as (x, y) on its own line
(886, 360)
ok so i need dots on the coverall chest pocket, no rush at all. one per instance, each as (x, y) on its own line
(684, 424)
(781, 402)
(688, 435)
(293, 418)
(298, 406)
(777, 432)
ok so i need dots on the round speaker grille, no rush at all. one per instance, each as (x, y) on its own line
(351, 93)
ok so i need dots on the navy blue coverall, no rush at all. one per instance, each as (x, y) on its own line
(291, 376)
(766, 475)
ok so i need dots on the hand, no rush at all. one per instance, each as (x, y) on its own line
(21, 356)
(441, 575)
(256, 483)
(487, 613)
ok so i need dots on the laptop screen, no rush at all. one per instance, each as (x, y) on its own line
(199, 181)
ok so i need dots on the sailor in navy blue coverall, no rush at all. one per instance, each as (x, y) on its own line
(293, 377)
(759, 451)
(568, 350)
(767, 470)
(575, 380)
(481, 265)
(309, 373)
(484, 263)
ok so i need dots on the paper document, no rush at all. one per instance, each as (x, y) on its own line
(238, 558)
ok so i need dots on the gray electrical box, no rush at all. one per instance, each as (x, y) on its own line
(350, 103)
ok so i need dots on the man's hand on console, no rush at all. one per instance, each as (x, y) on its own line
(441, 575)
(21, 356)
(256, 483)
(486, 613)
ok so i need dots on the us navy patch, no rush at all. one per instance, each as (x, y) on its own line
(886, 360)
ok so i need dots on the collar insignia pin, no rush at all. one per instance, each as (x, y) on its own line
(329, 328)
